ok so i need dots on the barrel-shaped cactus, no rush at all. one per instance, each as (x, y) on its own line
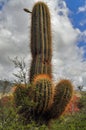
(62, 96)
(43, 93)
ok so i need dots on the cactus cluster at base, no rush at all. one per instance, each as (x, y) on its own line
(42, 101)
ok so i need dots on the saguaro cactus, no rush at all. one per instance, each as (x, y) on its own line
(40, 40)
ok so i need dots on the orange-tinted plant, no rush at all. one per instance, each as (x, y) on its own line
(73, 105)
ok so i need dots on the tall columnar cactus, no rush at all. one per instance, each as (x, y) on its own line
(41, 31)
(40, 40)
(39, 67)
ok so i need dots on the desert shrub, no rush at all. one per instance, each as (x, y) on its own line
(82, 102)
(10, 120)
(73, 122)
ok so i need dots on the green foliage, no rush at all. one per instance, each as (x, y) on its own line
(76, 121)
(82, 102)
(10, 120)
(8, 114)
(23, 97)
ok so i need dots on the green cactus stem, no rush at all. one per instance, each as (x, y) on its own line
(39, 67)
(41, 32)
(43, 93)
(40, 41)
(62, 96)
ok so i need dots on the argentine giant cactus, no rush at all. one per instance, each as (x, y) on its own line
(50, 101)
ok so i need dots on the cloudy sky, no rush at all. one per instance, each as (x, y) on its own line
(68, 21)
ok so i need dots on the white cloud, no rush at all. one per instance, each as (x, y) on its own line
(82, 9)
(83, 22)
(83, 36)
(15, 40)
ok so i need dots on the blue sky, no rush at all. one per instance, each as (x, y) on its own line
(78, 18)
(75, 15)
(2, 3)
(68, 18)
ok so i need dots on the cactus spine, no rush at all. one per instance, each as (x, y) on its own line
(62, 96)
(38, 67)
(40, 40)
(49, 102)
(43, 93)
